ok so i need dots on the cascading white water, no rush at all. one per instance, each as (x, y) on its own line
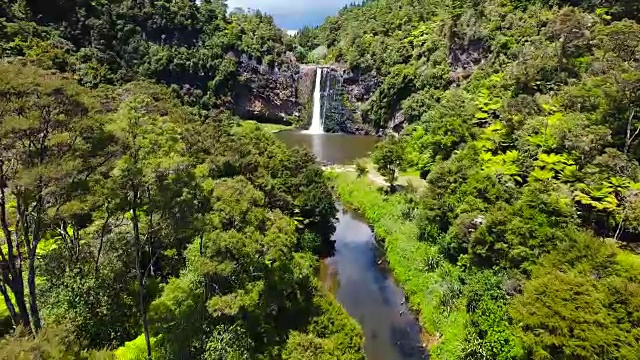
(317, 126)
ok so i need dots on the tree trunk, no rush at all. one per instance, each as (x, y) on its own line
(33, 303)
(139, 270)
(18, 293)
(103, 231)
(32, 247)
(630, 138)
(9, 304)
(12, 273)
(145, 322)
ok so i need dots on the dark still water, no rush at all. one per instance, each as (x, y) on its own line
(369, 293)
(331, 148)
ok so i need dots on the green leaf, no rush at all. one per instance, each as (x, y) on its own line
(482, 116)
(541, 174)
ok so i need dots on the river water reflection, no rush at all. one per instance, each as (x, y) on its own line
(355, 274)
(369, 293)
(331, 148)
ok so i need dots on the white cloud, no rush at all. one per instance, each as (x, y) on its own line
(293, 14)
(278, 7)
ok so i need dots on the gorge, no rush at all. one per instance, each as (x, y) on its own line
(288, 95)
(483, 200)
(356, 272)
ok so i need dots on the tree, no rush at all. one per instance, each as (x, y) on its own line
(389, 156)
(362, 168)
(41, 140)
(579, 303)
(151, 151)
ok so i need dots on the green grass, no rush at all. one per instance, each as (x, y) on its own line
(407, 258)
(4, 312)
(266, 126)
(410, 173)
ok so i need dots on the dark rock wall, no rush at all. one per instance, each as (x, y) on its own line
(305, 89)
(284, 95)
(267, 94)
(343, 96)
(360, 87)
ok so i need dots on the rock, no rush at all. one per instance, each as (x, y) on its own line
(344, 94)
(283, 94)
(305, 89)
(360, 87)
(398, 122)
(479, 221)
(266, 93)
(464, 56)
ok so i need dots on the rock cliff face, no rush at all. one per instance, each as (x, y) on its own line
(305, 88)
(284, 95)
(267, 94)
(345, 93)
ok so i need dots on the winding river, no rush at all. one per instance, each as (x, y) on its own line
(357, 274)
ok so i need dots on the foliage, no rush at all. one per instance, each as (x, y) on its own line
(523, 118)
(362, 167)
(134, 349)
(133, 214)
(585, 285)
(192, 46)
(128, 207)
(388, 157)
(51, 343)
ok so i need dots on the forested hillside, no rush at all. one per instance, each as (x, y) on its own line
(138, 219)
(193, 48)
(523, 118)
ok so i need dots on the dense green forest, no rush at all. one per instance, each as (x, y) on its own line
(523, 119)
(138, 220)
(191, 47)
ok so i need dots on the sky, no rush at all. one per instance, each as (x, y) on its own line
(293, 14)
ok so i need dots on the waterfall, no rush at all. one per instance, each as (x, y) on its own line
(317, 123)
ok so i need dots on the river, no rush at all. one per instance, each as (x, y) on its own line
(370, 295)
(357, 274)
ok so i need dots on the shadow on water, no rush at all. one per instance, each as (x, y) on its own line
(369, 294)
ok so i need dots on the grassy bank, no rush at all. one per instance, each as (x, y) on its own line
(416, 265)
(267, 126)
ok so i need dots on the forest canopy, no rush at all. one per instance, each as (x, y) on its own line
(138, 219)
(522, 117)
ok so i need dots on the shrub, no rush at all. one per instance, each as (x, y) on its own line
(362, 168)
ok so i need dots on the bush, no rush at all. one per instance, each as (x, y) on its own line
(50, 344)
(389, 158)
(362, 168)
(582, 302)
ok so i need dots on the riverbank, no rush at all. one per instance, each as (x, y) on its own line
(416, 265)
(404, 179)
(269, 127)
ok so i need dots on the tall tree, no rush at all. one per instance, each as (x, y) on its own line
(40, 134)
(150, 153)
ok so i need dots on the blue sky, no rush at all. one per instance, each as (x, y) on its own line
(294, 14)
